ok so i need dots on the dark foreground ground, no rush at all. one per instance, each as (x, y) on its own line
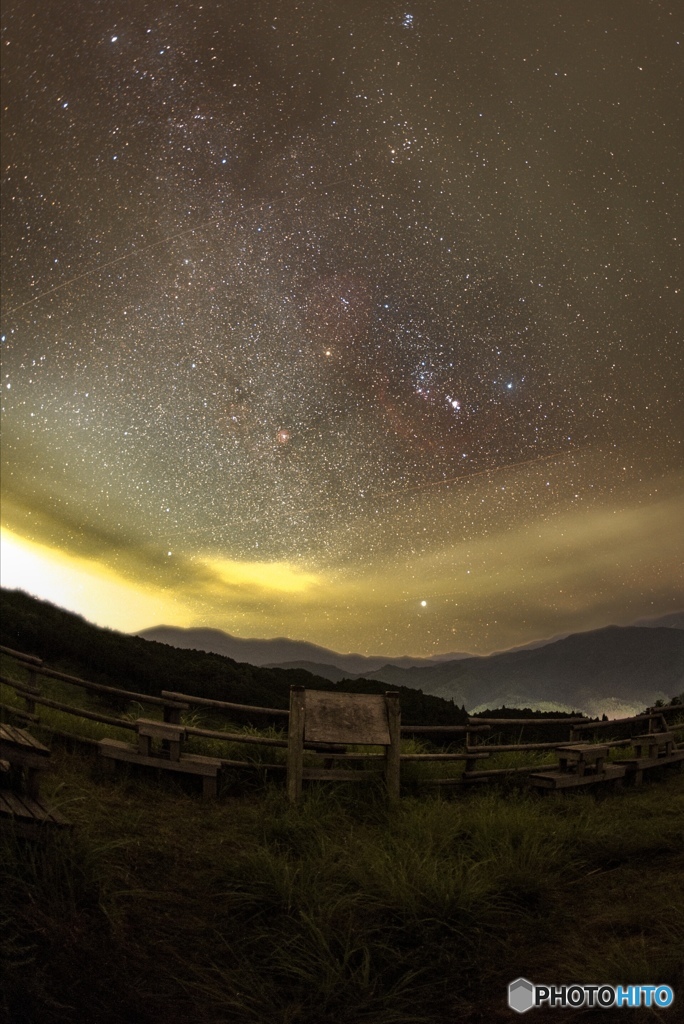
(158, 906)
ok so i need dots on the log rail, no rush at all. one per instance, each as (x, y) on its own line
(172, 704)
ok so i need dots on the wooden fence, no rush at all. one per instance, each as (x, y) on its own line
(173, 704)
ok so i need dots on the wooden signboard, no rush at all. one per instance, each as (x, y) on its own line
(345, 718)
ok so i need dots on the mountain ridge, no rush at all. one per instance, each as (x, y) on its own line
(615, 668)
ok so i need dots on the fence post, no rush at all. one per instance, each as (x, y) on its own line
(295, 744)
(32, 685)
(470, 762)
(172, 715)
(393, 751)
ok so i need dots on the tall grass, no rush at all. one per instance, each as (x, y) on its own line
(341, 910)
(159, 906)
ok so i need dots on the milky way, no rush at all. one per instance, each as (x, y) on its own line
(385, 297)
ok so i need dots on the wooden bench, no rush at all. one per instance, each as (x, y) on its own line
(582, 758)
(22, 760)
(653, 749)
(25, 755)
(186, 764)
(580, 764)
(653, 744)
(171, 734)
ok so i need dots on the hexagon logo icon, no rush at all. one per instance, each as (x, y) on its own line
(521, 995)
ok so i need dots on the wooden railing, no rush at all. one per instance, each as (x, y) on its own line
(173, 704)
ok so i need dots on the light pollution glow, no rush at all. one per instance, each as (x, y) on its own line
(511, 587)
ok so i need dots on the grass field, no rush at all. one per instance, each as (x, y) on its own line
(158, 906)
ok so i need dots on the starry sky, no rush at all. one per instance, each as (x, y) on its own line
(354, 322)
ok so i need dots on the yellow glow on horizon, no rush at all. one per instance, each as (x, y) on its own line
(84, 586)
(277, 577)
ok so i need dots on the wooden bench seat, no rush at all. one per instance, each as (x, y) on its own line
(28, 816)
(187, 764)
(171, 733)
(582, 758)
(22, 761)
(26, 755)
(568, 780)
(653, 744)
(636, 766)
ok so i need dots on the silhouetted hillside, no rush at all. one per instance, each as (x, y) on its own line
(67, 641)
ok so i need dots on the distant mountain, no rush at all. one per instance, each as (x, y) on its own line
(617, 670)
(70, 643)
(675, 620)
(278, 651)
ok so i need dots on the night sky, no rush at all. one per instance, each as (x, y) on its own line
(354, 322)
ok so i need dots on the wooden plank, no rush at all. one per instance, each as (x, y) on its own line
(30, 658)
(13, 734)
(654, 737)
(85, 684)
(224, 704)
(23, 807)
(635, 763)
(160, 730)
(505, 748)
(617, 721)
(330, 755)
(337, 775)
(578, 751)
(565, 780)
(191, 764)
(345, 718)
(228, 763)
(420, 730)
(487, 773)
(24, 757)
(53, 816)
(25, 810)
(467, 756)
(129, 752)
(120, 723)
(235, 737)
(527, 721)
